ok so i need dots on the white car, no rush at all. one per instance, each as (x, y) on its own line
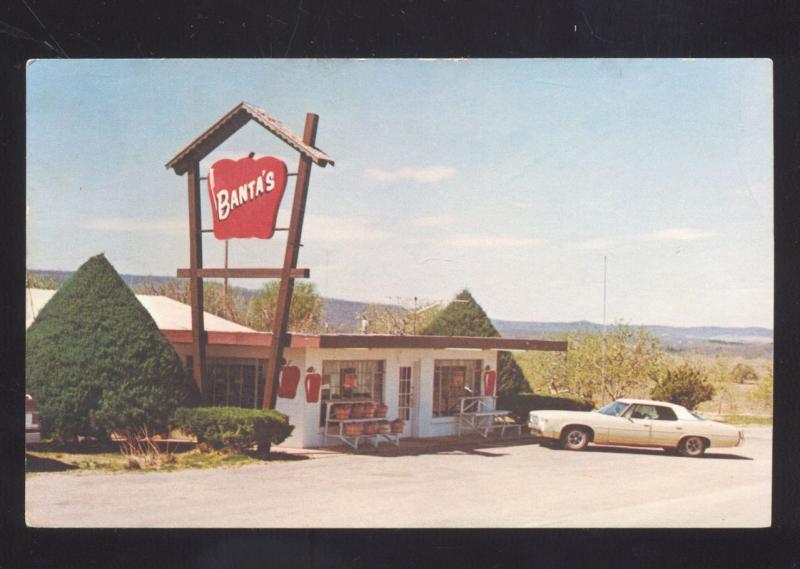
(635, 422)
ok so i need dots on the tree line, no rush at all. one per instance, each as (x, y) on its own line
(624, 361)
(628, 361)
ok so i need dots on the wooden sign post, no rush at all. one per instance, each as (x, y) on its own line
(245, 199)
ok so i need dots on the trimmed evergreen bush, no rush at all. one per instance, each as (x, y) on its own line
(465, 317)
(234, 427)
(97, 363)
(522, 404)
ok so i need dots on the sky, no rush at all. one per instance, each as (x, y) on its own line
(512, 178)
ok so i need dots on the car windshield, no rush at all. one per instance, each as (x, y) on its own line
(614, 409)
(696, 416)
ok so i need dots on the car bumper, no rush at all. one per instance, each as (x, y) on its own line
(537, 430)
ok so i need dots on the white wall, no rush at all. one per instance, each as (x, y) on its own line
(427, 426)
(305, 416)
(297, 409)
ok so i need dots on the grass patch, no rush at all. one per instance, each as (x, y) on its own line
(746, 419)
(43, 461)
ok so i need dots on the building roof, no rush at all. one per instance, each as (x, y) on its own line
(372, 341)
(235, 119)
(168, 314)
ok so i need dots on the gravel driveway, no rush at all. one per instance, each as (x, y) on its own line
(512, 485)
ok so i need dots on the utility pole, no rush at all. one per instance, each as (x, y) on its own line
(225, 280)
(415, 315)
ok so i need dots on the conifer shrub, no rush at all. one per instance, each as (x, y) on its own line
(234, 428)
(465, 317)
(97, 363)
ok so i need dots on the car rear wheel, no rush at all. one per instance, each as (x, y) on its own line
(574, 438)
(692, 446)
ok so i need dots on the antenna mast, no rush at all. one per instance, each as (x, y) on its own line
(603, 364)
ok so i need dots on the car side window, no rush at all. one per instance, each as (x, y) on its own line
(665, 414)
(643, 412)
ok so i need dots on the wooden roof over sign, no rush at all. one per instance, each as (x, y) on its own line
(235, 119)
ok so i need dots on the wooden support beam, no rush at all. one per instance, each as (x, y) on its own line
(289, 263)
(196, 282)
(221, 273)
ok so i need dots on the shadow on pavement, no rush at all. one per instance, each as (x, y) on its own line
(647, 451)
(471, 445)
(277, 455)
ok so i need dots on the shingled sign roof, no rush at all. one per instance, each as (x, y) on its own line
(235, 119)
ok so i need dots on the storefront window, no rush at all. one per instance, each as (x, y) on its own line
(452, 380)
(233, 382)
(360, 380)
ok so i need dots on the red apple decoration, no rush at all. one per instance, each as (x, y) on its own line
(313, 383)
(489, 381)
(290, 379)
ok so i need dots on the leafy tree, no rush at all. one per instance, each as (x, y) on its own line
(744, 373)
(305, 313)
(38, 281)
(231, 306)
(763, 392)
(685, 385)
(399, 320)
(465, 317)
(633, 360)
(97, 363)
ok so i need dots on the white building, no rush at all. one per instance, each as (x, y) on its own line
(420, 378)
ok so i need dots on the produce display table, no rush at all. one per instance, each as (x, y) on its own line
(474, 413)
(353, 440)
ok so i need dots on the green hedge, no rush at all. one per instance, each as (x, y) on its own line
(520, 405)
(234, 427)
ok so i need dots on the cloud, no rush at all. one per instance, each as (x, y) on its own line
(597, 243)
(434, 220)
(171, 225)
(477, 241)
(428, 174)
(331, 228)
(671, 234)
(679, 234)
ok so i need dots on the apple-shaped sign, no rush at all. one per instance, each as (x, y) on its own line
(245, 195)
(289, 380)
(489, 381)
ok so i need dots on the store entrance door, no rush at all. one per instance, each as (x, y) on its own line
(406, 405)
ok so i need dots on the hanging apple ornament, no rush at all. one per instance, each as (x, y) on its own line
(313, 383)
(290, 378)
(489, 381)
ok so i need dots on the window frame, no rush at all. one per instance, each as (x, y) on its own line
(475, 366)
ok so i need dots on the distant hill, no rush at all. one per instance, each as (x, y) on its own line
(516, 329)
(343, 316)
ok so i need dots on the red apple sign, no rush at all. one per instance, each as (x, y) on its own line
(245, 196)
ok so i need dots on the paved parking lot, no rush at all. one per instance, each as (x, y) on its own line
(517, 484)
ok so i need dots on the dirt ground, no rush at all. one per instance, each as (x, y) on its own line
(517, 483)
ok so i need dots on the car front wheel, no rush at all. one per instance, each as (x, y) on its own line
(574, 438)
(692, 446)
